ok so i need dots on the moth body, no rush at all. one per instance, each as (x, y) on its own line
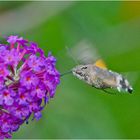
(101, 78)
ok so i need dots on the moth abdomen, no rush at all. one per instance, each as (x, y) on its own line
(124, 84)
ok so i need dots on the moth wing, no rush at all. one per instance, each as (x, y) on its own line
(84, 52)
(101, 64)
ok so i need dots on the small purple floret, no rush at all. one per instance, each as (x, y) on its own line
(28, 80)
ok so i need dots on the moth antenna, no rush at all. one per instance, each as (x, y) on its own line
(65, 73)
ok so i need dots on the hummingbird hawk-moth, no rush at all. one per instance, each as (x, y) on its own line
(96, 75)
(101, 78)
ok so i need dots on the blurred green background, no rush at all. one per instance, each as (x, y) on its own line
(78, 110)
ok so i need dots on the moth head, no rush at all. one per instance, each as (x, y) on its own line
(80, 71)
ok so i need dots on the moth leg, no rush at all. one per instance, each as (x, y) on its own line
(108, 92)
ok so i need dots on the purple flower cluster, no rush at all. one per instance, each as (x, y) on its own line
(28, 80)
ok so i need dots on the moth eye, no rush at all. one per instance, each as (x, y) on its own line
(84, 68)
(78, 72)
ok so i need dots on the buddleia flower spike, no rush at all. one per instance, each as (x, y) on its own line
(28, 79)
